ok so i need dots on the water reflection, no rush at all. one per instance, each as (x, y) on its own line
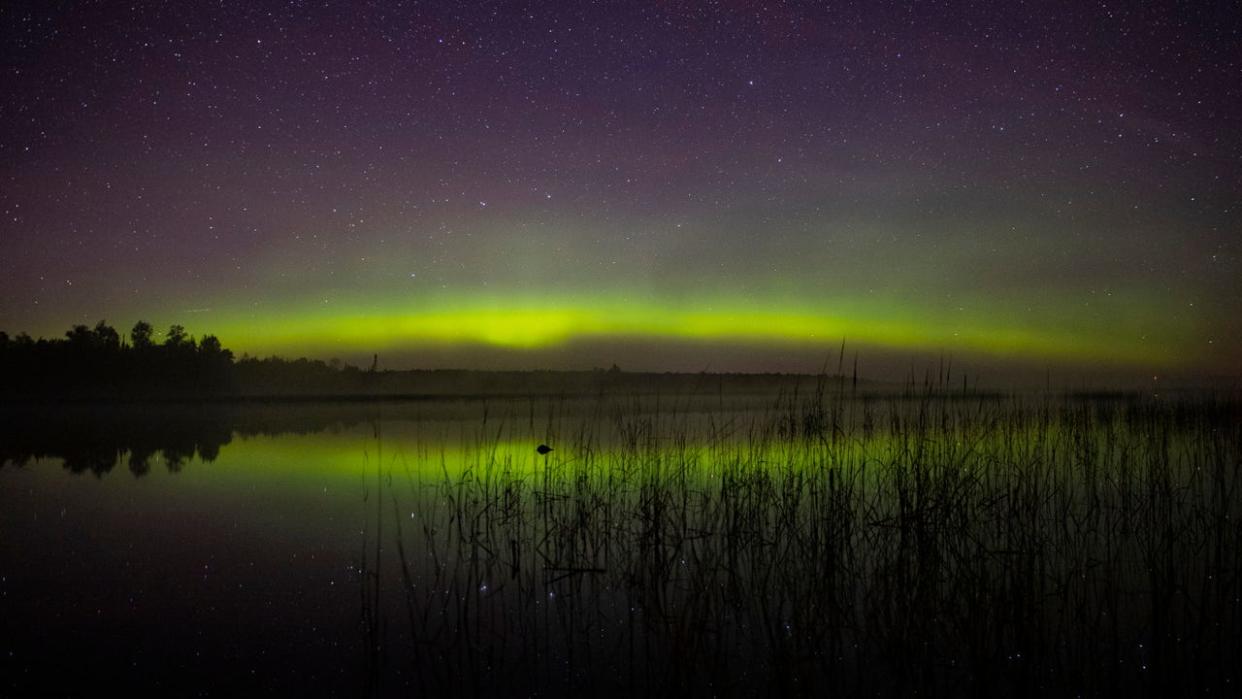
(887, 548)
(98, 438)
(96, 441)
(92, 439)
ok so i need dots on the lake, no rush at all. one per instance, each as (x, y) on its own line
(882, 544)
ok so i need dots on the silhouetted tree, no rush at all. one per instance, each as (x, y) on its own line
(176, 336)
(80, 336)
(140, 336)
(106, 337)
(210, 347)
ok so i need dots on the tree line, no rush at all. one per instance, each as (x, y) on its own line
(100, 363)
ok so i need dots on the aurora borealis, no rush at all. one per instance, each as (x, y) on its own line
(677, 185)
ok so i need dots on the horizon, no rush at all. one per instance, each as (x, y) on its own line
(868, 364)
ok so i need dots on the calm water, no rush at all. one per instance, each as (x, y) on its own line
(391, 548)
(239, 547)
(223, 548)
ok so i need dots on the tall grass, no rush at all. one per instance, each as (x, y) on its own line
(934, 542)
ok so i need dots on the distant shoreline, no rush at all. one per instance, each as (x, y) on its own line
(423, 385)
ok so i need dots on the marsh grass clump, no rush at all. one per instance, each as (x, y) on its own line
(927, 542)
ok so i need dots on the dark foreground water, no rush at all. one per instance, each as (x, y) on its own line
(884, 546)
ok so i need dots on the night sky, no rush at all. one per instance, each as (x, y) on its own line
(666, 185)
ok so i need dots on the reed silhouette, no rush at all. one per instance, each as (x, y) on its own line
(922, 543)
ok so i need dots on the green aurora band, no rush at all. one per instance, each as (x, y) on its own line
(531, 324)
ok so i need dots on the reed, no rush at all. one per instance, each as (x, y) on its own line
(936, 541)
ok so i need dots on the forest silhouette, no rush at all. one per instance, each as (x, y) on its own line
(99, 363)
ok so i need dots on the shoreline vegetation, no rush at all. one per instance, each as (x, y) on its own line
(99, 364)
